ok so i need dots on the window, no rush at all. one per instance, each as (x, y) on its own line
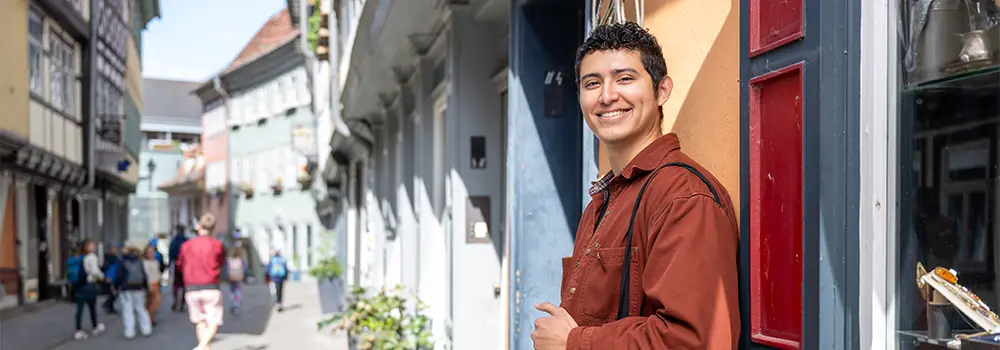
(61, 74)
(35, 52)
(295, 244)
(309, 245)
(948, 132)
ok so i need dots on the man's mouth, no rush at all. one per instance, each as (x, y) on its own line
(613, 114)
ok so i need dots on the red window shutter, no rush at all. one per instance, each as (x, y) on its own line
(774, 23)
(776, 207)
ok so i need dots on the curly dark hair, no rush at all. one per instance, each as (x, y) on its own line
(626, 36)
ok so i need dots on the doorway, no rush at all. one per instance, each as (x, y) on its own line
(41, 206)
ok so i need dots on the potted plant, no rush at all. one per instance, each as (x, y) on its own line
(390, 319)
(327, 273)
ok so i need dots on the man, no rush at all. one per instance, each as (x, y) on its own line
(178, 286)
(131, 283)
(201, 260)
(682, 287)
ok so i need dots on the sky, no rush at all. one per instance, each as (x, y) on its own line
(195, 39)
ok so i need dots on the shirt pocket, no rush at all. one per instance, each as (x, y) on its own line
(602, 284)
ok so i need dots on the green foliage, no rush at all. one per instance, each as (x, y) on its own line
(328, 268)
(314, 24)
(383, 322)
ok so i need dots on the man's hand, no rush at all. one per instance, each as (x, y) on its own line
(552, 332)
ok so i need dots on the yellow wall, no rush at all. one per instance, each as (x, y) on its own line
(14, 70)
(700, 41)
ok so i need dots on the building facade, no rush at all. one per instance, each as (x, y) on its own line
(272, 145)
(171, 125)
(48, 156)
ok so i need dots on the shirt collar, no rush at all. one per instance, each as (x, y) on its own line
(647, 160)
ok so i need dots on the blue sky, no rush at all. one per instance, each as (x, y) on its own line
(195, 39)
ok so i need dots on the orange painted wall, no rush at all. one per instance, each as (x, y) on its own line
(700, 41)
(8, 242)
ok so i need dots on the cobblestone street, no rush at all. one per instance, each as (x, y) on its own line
(258, 327)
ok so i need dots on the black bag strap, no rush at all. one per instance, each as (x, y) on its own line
(623, 306)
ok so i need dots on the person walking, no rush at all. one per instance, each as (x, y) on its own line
(236, 273)
(180, 237)
(277, 271)
(201, 260)
(132, 284)
(84, 271)
(153, 275)
(111, 261)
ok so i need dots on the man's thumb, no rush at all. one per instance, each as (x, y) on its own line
(547, 307)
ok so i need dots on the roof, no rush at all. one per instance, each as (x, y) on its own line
(276, 32)
(191, 171)
(170, 101)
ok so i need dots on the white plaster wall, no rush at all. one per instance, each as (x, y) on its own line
(475, 111)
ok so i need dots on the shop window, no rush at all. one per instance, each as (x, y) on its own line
(776, 208)
(947, 187)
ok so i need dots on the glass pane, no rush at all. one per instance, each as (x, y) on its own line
(949, 122)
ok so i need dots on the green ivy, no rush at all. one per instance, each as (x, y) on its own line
(314, 24)
(383, 322)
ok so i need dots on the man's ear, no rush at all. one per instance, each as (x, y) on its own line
(663, 91)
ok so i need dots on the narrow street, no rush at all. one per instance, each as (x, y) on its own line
(258, 327)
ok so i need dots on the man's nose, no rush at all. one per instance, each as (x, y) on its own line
(608, 94)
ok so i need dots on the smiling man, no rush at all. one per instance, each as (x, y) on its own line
(657, 209)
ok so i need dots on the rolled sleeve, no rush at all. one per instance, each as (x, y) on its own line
(690, 277)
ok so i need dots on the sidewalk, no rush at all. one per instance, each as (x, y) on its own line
(257, 327)
(49, 326)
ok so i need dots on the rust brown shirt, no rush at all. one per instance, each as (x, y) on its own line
(683, 285)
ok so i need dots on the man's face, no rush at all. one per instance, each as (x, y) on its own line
(617, 97)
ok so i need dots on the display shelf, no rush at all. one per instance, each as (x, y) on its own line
(984, 78)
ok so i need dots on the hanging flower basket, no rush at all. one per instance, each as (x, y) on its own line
(305, 180)
(247, 189)
(276, 186)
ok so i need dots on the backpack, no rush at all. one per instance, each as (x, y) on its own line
(235, 269)
(74, 270)
(135, 273)
(277, 267)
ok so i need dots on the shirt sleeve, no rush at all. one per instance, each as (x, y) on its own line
(691, 277)
(93, 268)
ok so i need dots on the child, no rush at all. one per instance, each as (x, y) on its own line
(236, 270)
(154, 270)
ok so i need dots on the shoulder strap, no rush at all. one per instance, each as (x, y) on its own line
(623, 307)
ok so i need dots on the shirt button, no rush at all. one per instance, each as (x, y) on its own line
(587, 252)
(572, 290)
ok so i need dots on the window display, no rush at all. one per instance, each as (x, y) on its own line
(949, 122)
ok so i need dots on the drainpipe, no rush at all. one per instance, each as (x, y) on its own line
(217, 85)
(91, 95)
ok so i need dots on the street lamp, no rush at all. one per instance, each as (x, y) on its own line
(151, 166)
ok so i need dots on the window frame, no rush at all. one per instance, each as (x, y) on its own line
(878, 160)
(36, 70)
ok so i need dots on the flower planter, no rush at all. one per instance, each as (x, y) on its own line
(331, 295)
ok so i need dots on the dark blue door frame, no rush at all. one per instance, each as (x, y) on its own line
(830, 51)
(544, 145)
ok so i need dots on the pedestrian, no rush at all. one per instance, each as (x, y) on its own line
(180, 237)
(654, 262)
(236, 271)
(277, 271)
(132, 284)
(111, 261)
(153, 272)
(201, 260)
(84, 272)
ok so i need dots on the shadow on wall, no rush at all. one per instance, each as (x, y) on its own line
(701, 43)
